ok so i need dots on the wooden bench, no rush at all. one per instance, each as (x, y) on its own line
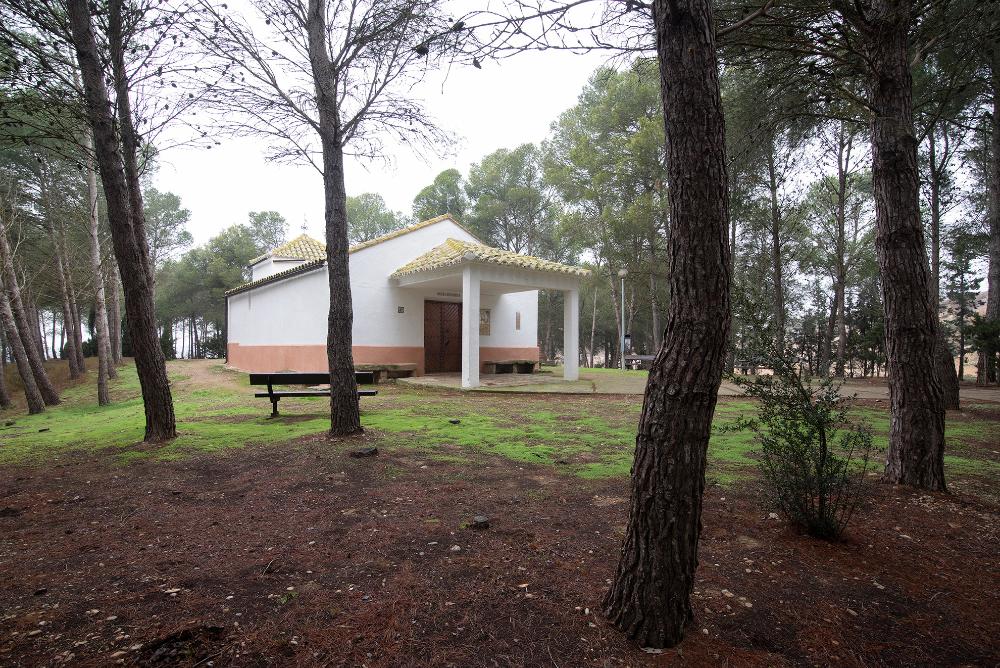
(636, 362)
(510, 366)
(295, 378)
(386, 371)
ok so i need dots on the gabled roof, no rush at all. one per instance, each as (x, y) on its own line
(302, 247)
(313, 252)
(406, 230)
(454, 252)
(279, 276)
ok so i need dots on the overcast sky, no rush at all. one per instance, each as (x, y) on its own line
(501, 106)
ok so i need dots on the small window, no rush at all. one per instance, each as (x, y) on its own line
(517, 321)
(484, 322)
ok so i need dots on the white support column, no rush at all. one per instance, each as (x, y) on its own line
(470, 327)
(571, 334)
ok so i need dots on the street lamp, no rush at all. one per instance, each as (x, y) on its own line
(622, 273)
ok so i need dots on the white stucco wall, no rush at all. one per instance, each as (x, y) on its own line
(503, 320)
(270, 266)
(289, 312)
(294, 311)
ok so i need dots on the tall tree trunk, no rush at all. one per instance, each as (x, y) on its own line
(55, 351)
(617, 307)
(77, 329)
(114, 316)
(844, 145)
(777, 281)
(32, 394)
(104, 363)
(654, 308)
(119, 175)
(37, 337)
(196, 346)
(826, 339)
(841, 325)
(20, 320)
(731, 343)
(945, 361)
(5, 401)
(946, 371)
(62, 274)
(345, 417)
(69, 322)
(593, 326)
(962, 315)
(74, 306)
(934, 179)
(650, 595)
(989, 365)
(916, 429)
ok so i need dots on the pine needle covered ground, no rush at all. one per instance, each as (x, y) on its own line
(250, 541)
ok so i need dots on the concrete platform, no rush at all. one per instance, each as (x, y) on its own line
(613, 381)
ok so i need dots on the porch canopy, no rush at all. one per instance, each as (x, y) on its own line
(474, 269)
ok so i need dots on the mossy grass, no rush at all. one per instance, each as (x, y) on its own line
(592, 438)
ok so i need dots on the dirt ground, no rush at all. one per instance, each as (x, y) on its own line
(303, 555)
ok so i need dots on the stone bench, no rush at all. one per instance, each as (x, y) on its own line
(510, 366)
(384, 372)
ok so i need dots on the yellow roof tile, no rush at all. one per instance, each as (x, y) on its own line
(406, 230)
(454, 252)
(304, 247)
(287, 273)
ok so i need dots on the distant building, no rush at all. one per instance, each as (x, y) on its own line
(429, 295)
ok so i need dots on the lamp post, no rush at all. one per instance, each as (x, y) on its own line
(622, 273)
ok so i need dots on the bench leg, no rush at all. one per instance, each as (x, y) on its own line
(274, 406)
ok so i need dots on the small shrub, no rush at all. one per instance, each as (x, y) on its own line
(813, 459)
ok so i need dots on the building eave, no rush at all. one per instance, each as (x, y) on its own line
(280, 276)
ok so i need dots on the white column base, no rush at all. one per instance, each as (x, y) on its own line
(571, 334)
(470, 328)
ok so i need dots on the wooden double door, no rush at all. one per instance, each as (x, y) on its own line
(442, 337)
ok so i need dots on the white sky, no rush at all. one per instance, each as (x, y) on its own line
(501, 106)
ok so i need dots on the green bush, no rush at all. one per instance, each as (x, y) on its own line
(813, 459)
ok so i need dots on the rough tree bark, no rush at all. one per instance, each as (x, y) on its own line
(650, 596)
(104, 364)
(345, 416)
(20, 320)
(916, 426)
(124, 210)
(32, 395)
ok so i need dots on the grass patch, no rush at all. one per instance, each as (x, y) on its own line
(592, 438)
